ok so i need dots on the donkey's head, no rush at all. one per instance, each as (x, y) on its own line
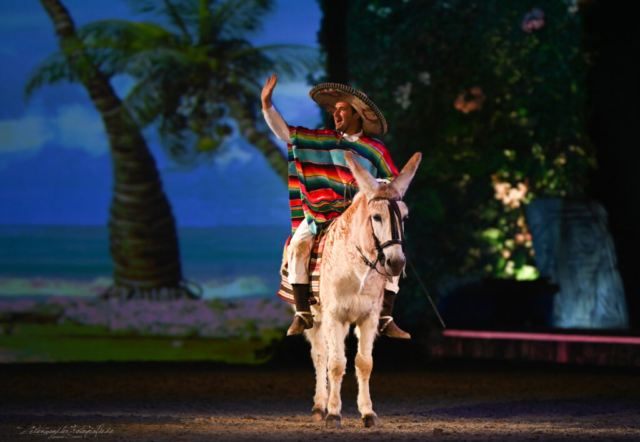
(386, 211)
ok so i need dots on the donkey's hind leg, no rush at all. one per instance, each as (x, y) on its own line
(336, 333)
(319, 355)
(366, 332)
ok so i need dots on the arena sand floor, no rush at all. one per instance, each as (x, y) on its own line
(438, 400)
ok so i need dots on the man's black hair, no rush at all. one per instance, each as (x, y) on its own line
(356, 112)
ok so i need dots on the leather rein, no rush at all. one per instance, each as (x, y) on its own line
(396, 226)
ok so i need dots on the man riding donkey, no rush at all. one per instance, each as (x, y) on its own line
(319, 179)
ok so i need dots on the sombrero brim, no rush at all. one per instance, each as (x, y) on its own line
(328, 94)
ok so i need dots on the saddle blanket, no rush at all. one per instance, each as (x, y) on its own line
(286, 291)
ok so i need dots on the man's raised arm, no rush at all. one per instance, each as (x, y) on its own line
(275, 121)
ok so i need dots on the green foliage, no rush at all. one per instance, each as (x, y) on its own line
(497, 112)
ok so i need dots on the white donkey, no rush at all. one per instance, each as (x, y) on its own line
(361, 249)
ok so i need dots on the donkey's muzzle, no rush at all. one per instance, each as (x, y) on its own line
(395, 265)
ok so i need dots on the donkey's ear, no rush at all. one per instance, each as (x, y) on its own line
(402, 181)
(366, 182)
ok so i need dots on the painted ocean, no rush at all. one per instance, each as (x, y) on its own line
(227, 262)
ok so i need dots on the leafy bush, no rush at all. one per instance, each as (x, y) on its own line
(493, 94)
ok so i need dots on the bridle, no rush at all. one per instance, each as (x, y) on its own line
(396, 225)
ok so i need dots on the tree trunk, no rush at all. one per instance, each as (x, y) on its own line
(142, 230)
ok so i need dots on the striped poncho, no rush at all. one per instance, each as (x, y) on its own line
(318, 173)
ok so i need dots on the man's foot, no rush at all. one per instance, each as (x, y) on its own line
(389, 328)
(301, 322)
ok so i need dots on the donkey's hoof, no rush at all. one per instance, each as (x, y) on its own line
(317, 414)
(371, 421)
(334, 421)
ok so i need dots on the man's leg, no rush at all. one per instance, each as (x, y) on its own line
(298, 255)
(386, 325)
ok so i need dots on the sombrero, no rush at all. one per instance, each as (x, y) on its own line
(328, 94)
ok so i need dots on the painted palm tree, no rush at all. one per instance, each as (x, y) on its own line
(195, 79)
(196, 75)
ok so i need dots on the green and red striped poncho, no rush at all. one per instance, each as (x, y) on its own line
(318, 172)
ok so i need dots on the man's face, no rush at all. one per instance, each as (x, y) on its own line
(346, 119)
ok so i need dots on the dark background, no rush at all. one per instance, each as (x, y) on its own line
(613, 125)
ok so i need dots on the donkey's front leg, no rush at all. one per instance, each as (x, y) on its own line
(319, 354)
(336, 333)
(364, 366)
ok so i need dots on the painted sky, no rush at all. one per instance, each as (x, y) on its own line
(54, 161)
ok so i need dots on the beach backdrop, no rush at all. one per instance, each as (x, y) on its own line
(56, 183)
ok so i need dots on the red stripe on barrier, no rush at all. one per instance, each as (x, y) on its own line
(541, 337)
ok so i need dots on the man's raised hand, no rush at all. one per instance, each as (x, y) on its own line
(267, 91)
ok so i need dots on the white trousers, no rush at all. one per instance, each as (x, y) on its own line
(299, 254)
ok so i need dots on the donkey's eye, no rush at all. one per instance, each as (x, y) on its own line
(377, 218)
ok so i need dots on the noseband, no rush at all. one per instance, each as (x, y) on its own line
(396, 225)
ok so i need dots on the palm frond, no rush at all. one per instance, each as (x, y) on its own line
(144, 102)
(187, 147)
(115, 45)
(290, 61)
(157, 62)
(205, 25)
(144, 6)
(172, 11)
(159, 95)
(139, 62)
(127, 34)
(52, 70)
(178, 145)
(236, 18)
